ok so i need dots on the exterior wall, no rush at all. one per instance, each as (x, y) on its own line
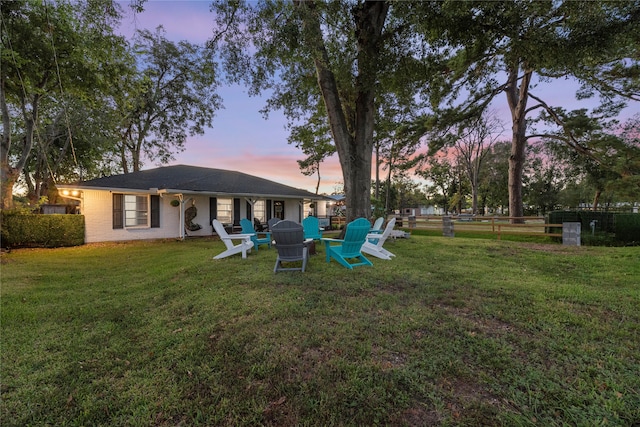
(201, 203)
(97, 208)
(292, 210)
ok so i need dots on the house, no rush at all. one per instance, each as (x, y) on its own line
(179, 201)
(328, 206)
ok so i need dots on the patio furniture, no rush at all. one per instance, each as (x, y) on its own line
(272, 221)
(351, 246)
(374, 242)
(243, 247)
(311, 227)
(247, 228)
(377, 225)
(289, 241)
(258, 226)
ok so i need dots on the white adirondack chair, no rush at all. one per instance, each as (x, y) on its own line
(376, 249)
(243, 247)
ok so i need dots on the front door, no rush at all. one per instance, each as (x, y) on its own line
(278, 209)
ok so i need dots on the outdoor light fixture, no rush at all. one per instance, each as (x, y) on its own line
(72, 194)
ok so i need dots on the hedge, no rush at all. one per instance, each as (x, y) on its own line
(628, 228)
(36, 230)
(624, 226)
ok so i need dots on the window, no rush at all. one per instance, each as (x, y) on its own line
(259, 211)
(225, 210)
(135, 211)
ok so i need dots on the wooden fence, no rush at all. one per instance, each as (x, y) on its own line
(496, 225)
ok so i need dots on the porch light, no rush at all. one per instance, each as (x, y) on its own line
(71, 194)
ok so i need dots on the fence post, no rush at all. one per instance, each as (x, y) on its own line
(571, 233)
(447, 226)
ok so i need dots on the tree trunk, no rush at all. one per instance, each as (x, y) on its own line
(355, 148)
(377, 189)
(596, 200)
(517, 97)
(474, 198)
(7, 174)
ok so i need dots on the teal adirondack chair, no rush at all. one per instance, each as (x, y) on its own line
(247, 228)
(311, 227)
(377, 226)
(351, 246)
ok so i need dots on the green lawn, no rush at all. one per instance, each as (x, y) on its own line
(451, 332)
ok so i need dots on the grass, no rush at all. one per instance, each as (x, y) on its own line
(451, 332)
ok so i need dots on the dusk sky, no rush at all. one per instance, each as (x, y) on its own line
(241, 139)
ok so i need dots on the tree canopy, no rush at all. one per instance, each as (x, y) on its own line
(493, 48)
(77, 100)
(171, 95)
(350, 76)
(50, 52)
(346, 55)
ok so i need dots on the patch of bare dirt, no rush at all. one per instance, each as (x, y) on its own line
(487, 326)
(417, 416)
(554, 248)
(386, 359)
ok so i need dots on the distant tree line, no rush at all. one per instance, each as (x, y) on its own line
(555, 177)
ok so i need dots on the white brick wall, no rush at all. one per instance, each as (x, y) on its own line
(98, 213)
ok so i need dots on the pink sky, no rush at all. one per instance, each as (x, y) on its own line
(241, 139)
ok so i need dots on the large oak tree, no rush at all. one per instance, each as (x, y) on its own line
(498, 48)
(49, 51)
(171, 95)
(345, 54)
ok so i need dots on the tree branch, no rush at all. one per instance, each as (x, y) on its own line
(570, 138)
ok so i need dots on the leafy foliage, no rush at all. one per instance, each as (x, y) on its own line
(340, 58)
(51, 52)
(491, 48)
(49, 231)
(170, 97)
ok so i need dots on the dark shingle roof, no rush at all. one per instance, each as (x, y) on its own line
(194, 178)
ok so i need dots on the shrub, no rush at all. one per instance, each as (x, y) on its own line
(601, 228)
(30, 230)
(627, 228)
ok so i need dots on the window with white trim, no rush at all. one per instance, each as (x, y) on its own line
(136, 210)
(131, 211)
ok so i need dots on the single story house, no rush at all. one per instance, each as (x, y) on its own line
(179, 201)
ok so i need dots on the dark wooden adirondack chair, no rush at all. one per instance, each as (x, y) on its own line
(290, 244)
(272, 222)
